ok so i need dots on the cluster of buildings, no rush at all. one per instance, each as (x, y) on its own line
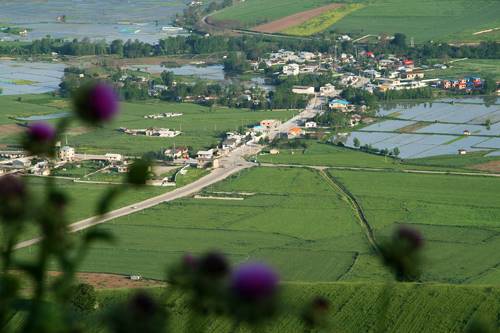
(467, 84)
(155, 132)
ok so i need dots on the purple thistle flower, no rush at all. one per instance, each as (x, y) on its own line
(213, 265)
(41, 133)
(96, 103)
(411, 235)
(189, 261)
(12, 197)
(142, 304)
(254, 282)
(103, 102)
(11, 187)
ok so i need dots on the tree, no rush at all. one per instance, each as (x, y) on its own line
(83, 297)
(487, 123)
(489, 86)
(356, 142)
(116, 47)
(167, 78)
(399, 41)
(396, 151)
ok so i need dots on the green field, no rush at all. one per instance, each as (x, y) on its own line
(292, 211)
(458, 216)
(84, 197)
(296, 220)
(468, 67)
(323, 154)
(250, 13)
(200, 125)
(296, 212)
(424, 20)
(355, 308)
(448, 20)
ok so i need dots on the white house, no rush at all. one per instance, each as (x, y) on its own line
(328, 90)
(311, 124)
(114, 157)
(205, 157)
(303, 90)
(307, 56)
(67, 153)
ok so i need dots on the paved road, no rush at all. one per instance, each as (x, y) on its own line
(428, 172)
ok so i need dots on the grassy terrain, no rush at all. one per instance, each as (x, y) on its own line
(323, 21)
(292, 212)
(469, 161)
(450, 20)
(84, 198)
(458, 216)
(327, 155)
(356, 307)
(468, 67)
(250, 13)
(322, 154)
(201, 126)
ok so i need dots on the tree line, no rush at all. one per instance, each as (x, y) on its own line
(253, 47)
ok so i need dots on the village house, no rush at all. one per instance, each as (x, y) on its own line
(21, 163)
(354, 120)
(66, 154)
(230, 143)
(110, 157)
(205, 158)
(328, 90)
(291, 69)
(270, 123)
(311, 124)
(413, 75)
(303, 90)
(120, 168)
(177, 153)
(308, 69)
(338, 104)
(371, 73)
(41, 169)
(294, 132)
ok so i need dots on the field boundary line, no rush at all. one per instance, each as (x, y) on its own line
(359, 213)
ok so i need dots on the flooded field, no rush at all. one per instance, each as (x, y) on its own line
(211, 72)
(18, 78)
(430, 129)
(111, 19)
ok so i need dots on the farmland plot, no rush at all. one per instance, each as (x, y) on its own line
(458, 216)
(290, 211)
